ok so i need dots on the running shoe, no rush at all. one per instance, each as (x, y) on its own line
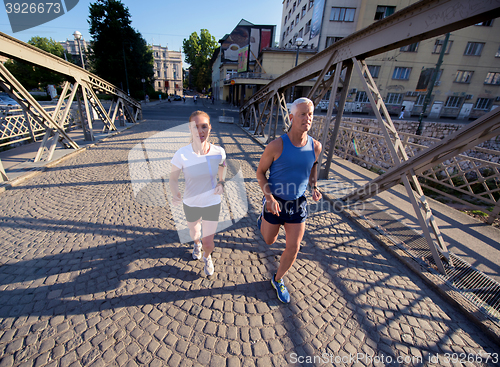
(281, 290)
(197, 251)
(209, 265)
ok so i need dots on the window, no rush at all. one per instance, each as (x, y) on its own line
(410, 48)
(304, 10)
(308, 27)
(488, 23)
(342, 14)
(483, 103)
(291, 25)
(384, 11)
(374, 70)
(331, 40)
(301, 32)
(164, 55)
(294, 6)
(287, 30)
(361, 97)
(311, 3)
(453, 102)
(394, 98)
(474, 49)
(420, 100)
(463, 76)
(401, 73)
(164, 74)
(290, 14)
(284, 35)
(498, 53)
(287, 3)
(286, 18)
(297, 19)
(439, 44)
(492, 78)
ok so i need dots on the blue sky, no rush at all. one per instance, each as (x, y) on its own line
(163, 22)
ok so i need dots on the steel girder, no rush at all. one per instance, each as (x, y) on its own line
(84, 88)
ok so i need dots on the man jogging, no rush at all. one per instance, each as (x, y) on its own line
(292, 164)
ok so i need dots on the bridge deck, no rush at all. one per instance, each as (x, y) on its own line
(90, 274)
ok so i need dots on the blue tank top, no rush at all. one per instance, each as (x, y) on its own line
(289, 174)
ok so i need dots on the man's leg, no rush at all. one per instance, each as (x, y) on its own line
(269, 231)
(294, 233)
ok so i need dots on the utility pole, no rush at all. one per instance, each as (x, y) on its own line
(428, 96)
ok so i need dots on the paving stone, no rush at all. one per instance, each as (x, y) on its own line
(93, 275)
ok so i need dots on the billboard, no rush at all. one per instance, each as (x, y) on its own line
(253, 38)
(317, 18)
(243, 59)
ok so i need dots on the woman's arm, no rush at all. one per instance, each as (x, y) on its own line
(174, 185)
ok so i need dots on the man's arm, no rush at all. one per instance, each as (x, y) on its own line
(313, 177)
(272, 151)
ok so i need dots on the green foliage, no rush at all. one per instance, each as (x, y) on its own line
(119, 54)
(198, 51)
(31, 76)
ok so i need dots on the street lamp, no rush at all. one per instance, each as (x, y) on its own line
(78, 37)
(299, 41)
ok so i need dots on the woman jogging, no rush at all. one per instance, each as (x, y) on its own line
(203, 165)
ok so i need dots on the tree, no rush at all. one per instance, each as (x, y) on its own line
(198, 51)
(119, 54)
(31, 76)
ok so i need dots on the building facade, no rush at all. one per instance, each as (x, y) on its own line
(167, 71)
(468, 80)
(71, 47)
(238, 57)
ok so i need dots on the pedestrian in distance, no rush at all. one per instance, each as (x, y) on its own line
(203, 165)
(194, 99)
(402, 113)
(292, 162)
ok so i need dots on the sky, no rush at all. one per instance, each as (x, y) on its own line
(161, 22)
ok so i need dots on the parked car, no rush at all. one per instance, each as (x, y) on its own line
(177, 98)
(323, 105)
(6, 100)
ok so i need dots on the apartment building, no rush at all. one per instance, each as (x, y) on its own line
(468, 81)
(71, 47)
(167, 70)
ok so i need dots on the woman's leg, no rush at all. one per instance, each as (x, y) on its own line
(195, 230)
(209, 228)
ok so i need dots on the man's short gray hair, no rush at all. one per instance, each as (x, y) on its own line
(298, 101)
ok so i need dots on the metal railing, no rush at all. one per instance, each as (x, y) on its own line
(470, 179)
(15, 128)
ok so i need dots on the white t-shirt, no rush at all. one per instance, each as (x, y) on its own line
(200, 174)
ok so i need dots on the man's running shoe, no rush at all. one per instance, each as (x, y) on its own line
(209, 265)
(197, 251)
(281, 290)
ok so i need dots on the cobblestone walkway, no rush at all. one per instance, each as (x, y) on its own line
(90, 277)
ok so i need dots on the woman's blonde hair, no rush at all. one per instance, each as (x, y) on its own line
(204, 114)
(197, 113)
